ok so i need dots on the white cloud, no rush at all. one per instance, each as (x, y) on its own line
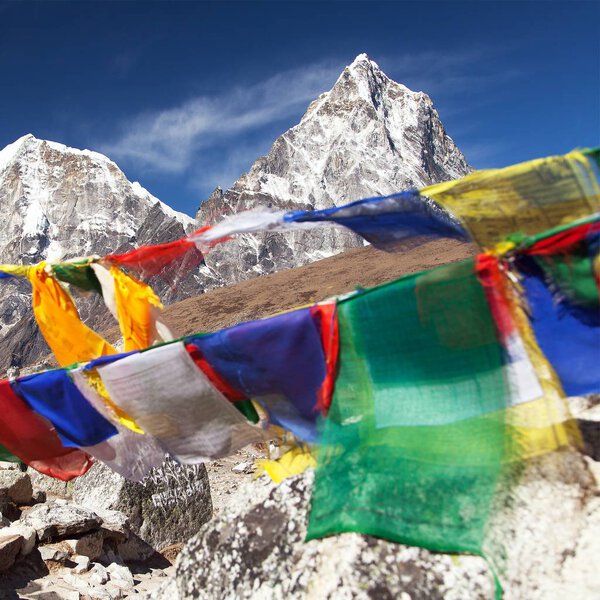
(169, 140)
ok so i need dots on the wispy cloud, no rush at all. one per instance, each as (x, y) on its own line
(451, 73)
(170, 140)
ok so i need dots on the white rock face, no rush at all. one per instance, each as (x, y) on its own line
(60, 202)
(367, 136)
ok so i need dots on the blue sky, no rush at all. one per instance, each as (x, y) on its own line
(185, 96)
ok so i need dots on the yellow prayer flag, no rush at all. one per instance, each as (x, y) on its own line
(137, 308)
(58, 320)
(528, 197)
(293, 462)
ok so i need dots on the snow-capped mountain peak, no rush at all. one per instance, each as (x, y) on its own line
(367, 136)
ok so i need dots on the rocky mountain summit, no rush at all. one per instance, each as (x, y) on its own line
(367, 136)
(61, 202)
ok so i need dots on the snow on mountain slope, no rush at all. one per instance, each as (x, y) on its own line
(367, 136)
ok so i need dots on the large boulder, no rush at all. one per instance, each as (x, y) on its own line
(169, 506)
(262, 554)
(544, 540)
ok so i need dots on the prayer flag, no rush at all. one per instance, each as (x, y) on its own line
(388, 222)
(173, 401)
(414, 442)
(278, 361)
(54, 396)
(35, 441)
(528, 197)
(58, 320)
(132, 455)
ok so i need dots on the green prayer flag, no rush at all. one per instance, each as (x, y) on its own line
(414, 443)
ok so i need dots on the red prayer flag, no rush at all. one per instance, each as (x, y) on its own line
(34, 440)
(325, 316)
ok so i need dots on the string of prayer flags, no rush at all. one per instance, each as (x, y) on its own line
(278, 361)
(172, 400)
(54, 396)
(528, 197)
(69, 339)
(388, 222)
(34, 440)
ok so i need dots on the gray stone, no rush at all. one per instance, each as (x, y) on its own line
(53, 552)
(55, 592)
(89, 544)
(115, 525)
(56, 520)
(135, 549)
(9, 466)
(169, 506)
(10, 546)
(38, 497)
(27, 533)
(16, 485)
(106, 592)
(82, 564)
(121, 576)
(51, 487)
(98, 574)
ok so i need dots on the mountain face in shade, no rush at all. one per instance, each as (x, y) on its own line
(60, 202)
(367, 136)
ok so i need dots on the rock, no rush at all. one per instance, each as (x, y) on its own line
(106, 592)
(121, 576)
(135, 549)
(58, 520)
(10, 546)
(170, 505)
(98, 574)
(262, 554)
(55, 592)
(9, 466)
(115, 525)
(38, 497)
(16, 485)
(53, 552)
(243, 467)
(82, 564)
(27, 533)
(9, 509)
(547, 529)
(51, 487)
(89, 544)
